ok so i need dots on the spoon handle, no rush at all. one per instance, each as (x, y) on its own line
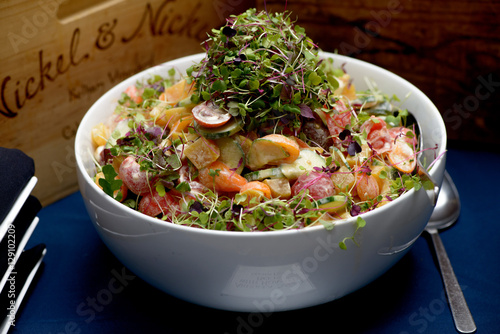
(459, 309)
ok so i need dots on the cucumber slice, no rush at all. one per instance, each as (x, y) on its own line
(231, 154)
(244, 142)
(332, 203)
(307, 160)
(230, 128)
(269, 173)
(338, 158)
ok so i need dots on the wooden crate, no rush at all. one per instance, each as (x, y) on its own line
(58, 57)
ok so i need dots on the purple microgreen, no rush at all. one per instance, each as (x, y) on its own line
(228, 31)
(239, 59)
(328, 170)
(344, 134)
(353, 148)
(355, 210)
(106, 155)
(154, 134)
(236, 209)
(306, 111)
(167, 183)
(197, 207)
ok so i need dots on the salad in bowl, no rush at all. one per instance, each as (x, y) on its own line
(264, 166)
(262, 134)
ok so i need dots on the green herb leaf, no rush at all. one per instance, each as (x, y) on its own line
(219, 86)
(109, 183)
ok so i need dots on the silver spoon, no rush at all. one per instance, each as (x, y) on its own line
(444, 215)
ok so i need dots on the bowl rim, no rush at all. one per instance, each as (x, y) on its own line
(440, 153)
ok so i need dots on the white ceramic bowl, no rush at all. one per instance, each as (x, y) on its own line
(261, 271)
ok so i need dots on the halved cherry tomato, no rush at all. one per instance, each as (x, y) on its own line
(367, 187)
(210, 115)
(404, 133)
(402, 156)
(136, 180)
(337, 122)
(152, 204)
(320, 185)
(378, 135)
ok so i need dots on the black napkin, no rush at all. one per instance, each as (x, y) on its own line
(16, 170)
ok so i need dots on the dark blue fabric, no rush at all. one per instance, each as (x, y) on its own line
(72, 294)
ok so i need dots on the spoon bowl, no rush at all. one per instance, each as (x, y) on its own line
(444, 215)
(448, 206)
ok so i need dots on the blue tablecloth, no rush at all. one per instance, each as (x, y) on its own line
(83, 288)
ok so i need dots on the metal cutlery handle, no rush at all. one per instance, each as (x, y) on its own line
(459, 309)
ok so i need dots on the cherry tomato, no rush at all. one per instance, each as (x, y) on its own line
(367, 187)
(210, 115)
(320, 185)
(337, 122)
(402, 133)
(152, 204)
(134, 178)
(378, 135)
(402, 156)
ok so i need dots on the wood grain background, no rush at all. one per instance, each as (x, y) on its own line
(449, 49)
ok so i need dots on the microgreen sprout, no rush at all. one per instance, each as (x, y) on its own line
(360, 223)
(261, 62)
